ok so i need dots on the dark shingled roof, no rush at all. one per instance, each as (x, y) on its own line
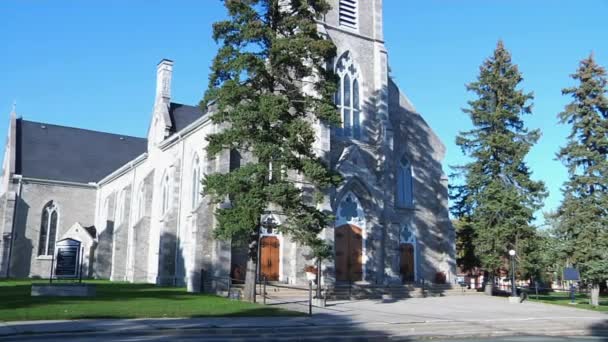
(69, 154)
(183, 115)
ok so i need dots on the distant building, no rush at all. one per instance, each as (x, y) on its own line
(136, 203)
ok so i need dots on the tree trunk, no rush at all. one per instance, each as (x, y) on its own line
(489, 284)
(250, 280)
(594, 299)
(252, 268)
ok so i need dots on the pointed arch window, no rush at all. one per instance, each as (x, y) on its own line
(141, 209)
(164, 205)
(405, 197)
(348, 97)
(196, 182)
(48, 229)
(120, 208)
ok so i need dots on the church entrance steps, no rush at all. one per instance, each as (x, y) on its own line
(346, 292)
(279, 290)
(358, 292)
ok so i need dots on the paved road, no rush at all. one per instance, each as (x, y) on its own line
(445, 317)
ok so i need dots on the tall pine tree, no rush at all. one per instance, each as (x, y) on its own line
(497, 197)
(583, 213)
(268, 85)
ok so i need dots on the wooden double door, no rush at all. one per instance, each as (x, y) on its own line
(406, 266)
(349, 253)
(270, 258)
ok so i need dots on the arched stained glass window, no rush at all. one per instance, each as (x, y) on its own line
(120, 208)
(48, 229)
(164, 195)
(196, 182)
(141, 204)
(356, 109)
(405, 197)
(348, 97)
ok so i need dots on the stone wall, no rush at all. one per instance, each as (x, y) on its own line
(75, 204)
(102, 256)
(121, 236)
(168, 234)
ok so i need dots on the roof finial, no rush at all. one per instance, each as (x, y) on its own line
(14, 110)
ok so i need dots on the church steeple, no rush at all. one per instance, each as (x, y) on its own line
(14, 111)
(161, 124)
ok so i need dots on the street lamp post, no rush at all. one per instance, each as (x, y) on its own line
(513, 287)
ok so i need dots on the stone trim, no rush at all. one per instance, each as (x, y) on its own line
(55, 182)
(124, 169)
(184, 133)
(350, 32)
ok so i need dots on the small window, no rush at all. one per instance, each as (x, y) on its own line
(141, 204)
(348, 13)
(405, 197)
(196, 182)
(120, 208)
(165, 195)
(48, 229)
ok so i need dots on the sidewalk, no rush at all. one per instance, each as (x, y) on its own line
(411, 318)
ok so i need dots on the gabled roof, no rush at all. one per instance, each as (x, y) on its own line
(183, 115)
(60, 153)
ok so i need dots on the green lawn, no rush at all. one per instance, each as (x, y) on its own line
(121, 300)
(563, 298)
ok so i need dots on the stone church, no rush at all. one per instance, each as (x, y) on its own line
(137, 207)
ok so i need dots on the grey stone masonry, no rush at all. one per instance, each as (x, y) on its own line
(8, 202)
(102, 258)
(121, 237)
(393, 198)
(141, 234)
(168, 235)
(74, 204)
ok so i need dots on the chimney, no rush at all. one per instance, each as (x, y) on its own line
(164, 71)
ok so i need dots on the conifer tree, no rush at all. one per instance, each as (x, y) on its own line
(583, 213)
(268, 85)
(497, 197)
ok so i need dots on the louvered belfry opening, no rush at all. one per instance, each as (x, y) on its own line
(348, 13)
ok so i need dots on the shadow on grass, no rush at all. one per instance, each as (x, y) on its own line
(123, 300)
(200, 313)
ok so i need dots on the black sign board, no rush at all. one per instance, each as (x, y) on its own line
(67, 258)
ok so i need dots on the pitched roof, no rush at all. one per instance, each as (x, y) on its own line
(60, 153)
(183, 115)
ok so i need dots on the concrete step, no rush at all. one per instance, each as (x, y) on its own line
(356, 291)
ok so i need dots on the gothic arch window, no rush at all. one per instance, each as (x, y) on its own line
(350, 211)
(48, 229)
(141, 203)
(407, 235)
(405, 195)
(164, 204)
(348, 97)
(196, 182)
(348, 13)
(120, 208)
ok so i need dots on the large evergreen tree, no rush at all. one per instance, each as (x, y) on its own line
(497, 198)
(583, 213)
(268, 85)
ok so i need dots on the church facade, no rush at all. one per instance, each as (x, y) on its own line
(136, 204)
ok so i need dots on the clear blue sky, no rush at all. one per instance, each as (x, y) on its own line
(91, 64)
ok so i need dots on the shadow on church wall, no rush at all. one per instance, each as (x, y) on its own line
(22, 254)
(102, 255)
(373, 181)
